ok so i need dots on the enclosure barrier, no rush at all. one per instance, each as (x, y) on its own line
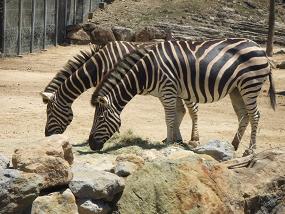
(27, 26)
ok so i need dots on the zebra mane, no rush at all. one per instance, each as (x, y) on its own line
(114, 76)
(70, 67)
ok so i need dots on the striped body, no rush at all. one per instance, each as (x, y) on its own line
(81, 73)
(200, 72)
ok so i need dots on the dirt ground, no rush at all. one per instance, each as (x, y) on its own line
(23, 116)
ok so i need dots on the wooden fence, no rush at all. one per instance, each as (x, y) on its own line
(27, 26)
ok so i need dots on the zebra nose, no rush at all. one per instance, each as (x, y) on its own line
(95, 145)
(47, 133)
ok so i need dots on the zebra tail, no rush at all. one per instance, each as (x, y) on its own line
(271, 92)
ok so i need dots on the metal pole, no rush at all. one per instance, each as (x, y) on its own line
(65, 19)
(33, 25)
(20, 27)
(56, 23)
(90, 5)
(74, 12)
(4, 27)
(45, 24)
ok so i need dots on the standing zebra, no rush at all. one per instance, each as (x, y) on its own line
(84, 72)
(200, 72)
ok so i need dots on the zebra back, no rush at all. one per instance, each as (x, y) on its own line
(70, 67)
(114, 76)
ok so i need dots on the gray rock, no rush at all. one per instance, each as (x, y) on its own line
(125, 168)
(93, 207)
(18, 190)
(79, 35)
(219, 150)
(4, 162)
(123, 33)
(94, 184)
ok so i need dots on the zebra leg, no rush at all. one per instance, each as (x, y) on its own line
(193, 111)
(180, 112)
(243, 119)
(169, 104)
(250, 100)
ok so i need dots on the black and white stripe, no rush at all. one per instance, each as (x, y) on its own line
(197, 72)
(85, 71)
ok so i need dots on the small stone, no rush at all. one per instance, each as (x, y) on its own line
(93, 207)
(123, 33)
(281, 65)
(219, 150)
(56, 202)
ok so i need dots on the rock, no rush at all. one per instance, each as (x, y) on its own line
(281, 65)
(102, 5)
(280, 52)
(250, 4)
(79, 35)
(135, 159)
(51, 161)
(149, 33)
(219, 150)
(123, 33)
(93, 207)
(75, 27)
(94, 184)
(185, 185)
(18, 190)
(4, 162)
(102, 36)
(125, 168)
(56, 202)
(89, 27)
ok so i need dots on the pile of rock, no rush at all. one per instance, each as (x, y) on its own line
(168, 179)
(84, 33)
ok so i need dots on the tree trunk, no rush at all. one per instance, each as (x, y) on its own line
(271, 23)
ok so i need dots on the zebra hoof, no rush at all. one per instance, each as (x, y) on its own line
(193, 143)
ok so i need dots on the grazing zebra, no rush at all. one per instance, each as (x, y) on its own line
(80, 74)
(200, 72)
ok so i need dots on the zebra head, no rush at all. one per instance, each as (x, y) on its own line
(106, 122)
(58, 116)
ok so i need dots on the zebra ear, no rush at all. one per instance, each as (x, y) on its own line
(47, 96)
(102, 100)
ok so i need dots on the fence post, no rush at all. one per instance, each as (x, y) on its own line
(65, 18)
(4, 27)
(56, 23)
(90, 5)
(20, 27)
(45, 24)
(33, 26)
(74, 12)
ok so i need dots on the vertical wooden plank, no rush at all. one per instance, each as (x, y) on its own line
(33, 26)
(56, 23)
(4, 27)
(45, 24)
(65, 18)
(20, 27)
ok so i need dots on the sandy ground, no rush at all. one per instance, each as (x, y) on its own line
(23, 116)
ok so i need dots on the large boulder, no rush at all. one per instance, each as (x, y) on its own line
(93, 184)
(18, 190)
(78, 36)
(123, 33)
(57, 202)
(190, 184)
(51, 160)
(102, 36)
(281, 65)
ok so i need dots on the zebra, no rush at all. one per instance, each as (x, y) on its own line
(197, 72)
(85, 71)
